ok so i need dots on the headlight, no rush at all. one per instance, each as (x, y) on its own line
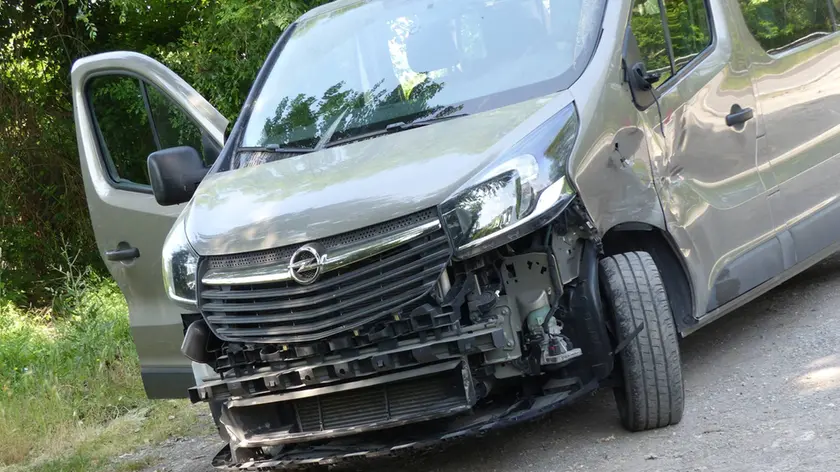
(180, 263)
(523, 190)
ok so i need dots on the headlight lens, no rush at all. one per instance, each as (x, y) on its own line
(180, 264)
(523, 190)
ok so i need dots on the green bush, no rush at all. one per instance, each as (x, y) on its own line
(217, 46)
(67, 360)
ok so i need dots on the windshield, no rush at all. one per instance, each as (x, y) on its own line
(359, 68)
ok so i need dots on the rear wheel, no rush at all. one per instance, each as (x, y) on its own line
(651, 394)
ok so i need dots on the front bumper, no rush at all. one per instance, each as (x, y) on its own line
(380, 446)
(382, 402)
(415, 380)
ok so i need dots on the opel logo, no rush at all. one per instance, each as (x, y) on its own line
(305, 264)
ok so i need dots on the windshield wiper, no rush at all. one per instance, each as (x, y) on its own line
(321, 144)
(328, 134)
(400, 126)
(395, 128)
(276, 148)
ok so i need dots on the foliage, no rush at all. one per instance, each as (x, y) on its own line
(63, 372)
(71, 398)
(217, 46)
(778, 23)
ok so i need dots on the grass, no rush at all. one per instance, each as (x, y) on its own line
(71, 397)
(100, 448)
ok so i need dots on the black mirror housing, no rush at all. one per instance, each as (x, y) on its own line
(175, 174)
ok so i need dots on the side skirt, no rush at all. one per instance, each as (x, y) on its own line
(760, 290)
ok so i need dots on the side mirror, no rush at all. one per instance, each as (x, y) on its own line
(175, 174)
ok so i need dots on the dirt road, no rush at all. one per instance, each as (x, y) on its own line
(762, 394)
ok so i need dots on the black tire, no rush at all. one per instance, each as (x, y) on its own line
(652, 392)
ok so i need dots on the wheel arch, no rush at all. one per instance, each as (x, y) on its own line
(628, 237)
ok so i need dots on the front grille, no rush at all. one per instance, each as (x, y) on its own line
(347, 299)
(383, 403)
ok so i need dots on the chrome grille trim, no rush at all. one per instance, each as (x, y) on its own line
(337, 259)
(279, 254)
(218, 294)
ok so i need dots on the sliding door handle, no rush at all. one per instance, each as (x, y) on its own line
(123, 254)
(739, 115)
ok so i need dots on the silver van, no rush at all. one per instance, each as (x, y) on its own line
(434, 218)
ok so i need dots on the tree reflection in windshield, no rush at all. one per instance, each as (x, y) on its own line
(301, 121)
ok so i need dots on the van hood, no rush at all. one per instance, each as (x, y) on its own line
(341, 189)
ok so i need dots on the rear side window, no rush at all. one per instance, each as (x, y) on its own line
(672, 38)
(782, 24)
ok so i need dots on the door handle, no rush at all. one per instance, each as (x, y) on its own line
(739, 115)
(123, 254)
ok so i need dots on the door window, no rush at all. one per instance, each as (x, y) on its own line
(688, 22)
(173, 126)
(125, 132)
(646, 23)
(668, 46)
(782, 24)
(134, 119)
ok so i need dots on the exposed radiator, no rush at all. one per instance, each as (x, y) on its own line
(382, 403)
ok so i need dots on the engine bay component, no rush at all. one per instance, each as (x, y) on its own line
(333, 369)
(554, 347)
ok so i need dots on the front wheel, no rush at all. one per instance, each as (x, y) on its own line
(651, 394)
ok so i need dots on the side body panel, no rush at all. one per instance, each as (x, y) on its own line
(799, 97)
(714, 199)
(124, 218)
(611, 169)
(698, 180)
(748, 207)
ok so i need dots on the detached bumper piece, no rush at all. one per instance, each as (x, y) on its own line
(387, 444)
(387, 401)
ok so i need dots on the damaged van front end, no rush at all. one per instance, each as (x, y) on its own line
(480, 311)
(364, 287)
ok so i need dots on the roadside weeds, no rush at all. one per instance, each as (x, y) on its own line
(71, 398)
(123, 444)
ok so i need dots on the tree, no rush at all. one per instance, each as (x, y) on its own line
(217, 46)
